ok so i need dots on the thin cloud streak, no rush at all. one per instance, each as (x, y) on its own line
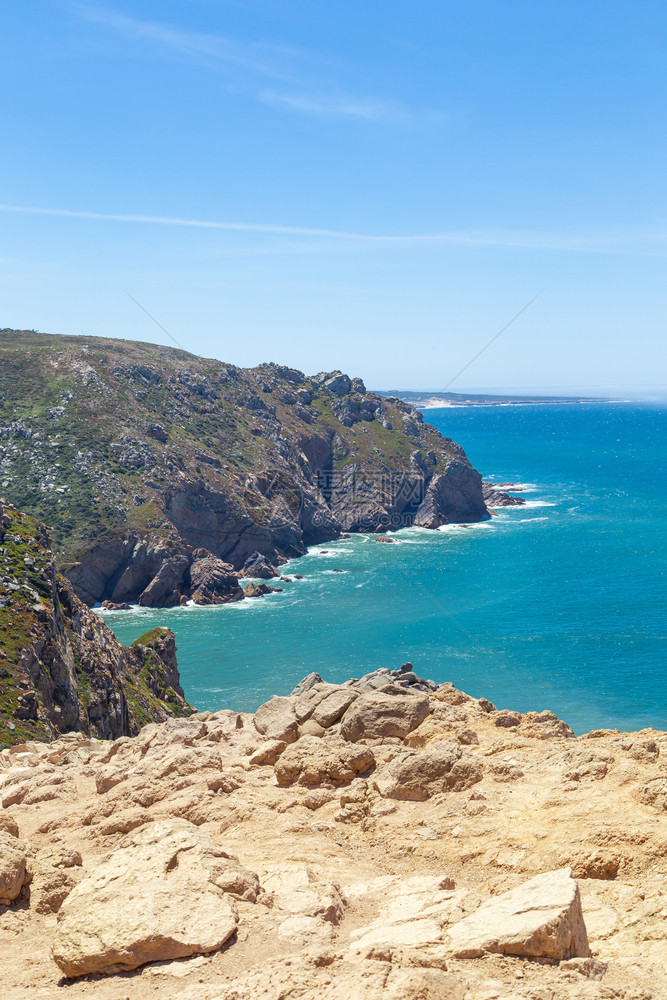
(289, 66)
(606, 243)
(341, 106)
(198, 46)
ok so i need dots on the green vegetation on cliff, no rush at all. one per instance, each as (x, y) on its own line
(61, 668)
(118, 445)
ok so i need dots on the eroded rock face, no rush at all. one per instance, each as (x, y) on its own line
(442, 766)
(57, 870)
(13, 868)
(69, 671)
(167, 892)
(451, 496)
(540, 919)
(313, 761)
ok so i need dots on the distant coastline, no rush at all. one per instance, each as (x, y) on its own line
(438, 400)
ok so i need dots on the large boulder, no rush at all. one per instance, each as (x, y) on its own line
(314, 761)
(276, 720)
(324, 703)
(441, 767)
(168, 892)
(540, 919)
(13, 867)
(378, 715)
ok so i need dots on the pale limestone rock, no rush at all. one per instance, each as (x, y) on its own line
(8, 824)
(540, 919)
(161, 761)
(297, 892)
(440, 767)
(378, 715)
(331, 708)
(276, 719)
(268, 752)
(314, 761)
(317, 979)
(311, 728)
(57, 871)
(166, 893)
(37, 784)
(307, 700)
(13, 867)
(416, 910)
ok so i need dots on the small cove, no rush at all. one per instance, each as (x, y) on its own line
(558, 604)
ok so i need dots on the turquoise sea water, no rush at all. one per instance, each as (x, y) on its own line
(560, 604)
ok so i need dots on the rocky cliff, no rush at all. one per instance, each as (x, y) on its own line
(61, 667)
(162, 474)
(383, 839)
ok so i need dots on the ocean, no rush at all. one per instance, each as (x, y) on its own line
(559, 604)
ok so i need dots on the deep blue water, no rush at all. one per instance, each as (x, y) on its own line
(559, 604)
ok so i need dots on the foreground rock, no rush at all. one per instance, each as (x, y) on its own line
(433, 865)
(540, 919)
(167, 892)
(13, 865)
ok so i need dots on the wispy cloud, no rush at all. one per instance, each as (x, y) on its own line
(253, 64)
(262, 58)
(637, 242)
(341, 106)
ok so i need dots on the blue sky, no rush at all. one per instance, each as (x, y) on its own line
(372, 186)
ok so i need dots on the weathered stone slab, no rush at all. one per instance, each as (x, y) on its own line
(540, 919)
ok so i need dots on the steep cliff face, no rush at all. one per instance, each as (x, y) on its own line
(147, 461)
(61, 667)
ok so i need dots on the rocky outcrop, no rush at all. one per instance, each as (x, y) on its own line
(172, 462)
(62, 667)
(258, 567)
(212, 581)
(207, 859)
(495, 495)
(447, 498)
